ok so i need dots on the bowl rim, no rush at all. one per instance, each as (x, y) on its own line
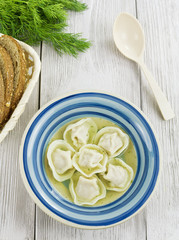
(32, 194)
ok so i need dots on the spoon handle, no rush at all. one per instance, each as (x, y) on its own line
(162, 101)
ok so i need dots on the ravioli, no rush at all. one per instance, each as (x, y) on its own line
(112, 140)
(90, 159)
(59, 157)
(118, 175)
(86, 191)
(80, 133)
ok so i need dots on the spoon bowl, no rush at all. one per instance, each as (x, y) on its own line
(129, 36)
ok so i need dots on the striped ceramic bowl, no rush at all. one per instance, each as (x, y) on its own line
(85, 104)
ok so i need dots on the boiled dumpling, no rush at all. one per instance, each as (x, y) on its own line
(112, 140)
(90, 159)
(59, 157)
(86, 191)
(87, 188)
(118, 175)
(61, 160)
(80, 133)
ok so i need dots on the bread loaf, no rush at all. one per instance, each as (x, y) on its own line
(7, 70)
(19, 64)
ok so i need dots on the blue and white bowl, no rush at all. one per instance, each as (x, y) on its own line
(85, 104)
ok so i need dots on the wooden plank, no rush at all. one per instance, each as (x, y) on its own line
(160, 21)
(16, 207)
(101, 68)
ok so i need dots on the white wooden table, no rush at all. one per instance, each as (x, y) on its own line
(104, 68)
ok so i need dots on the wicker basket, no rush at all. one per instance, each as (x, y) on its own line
(25, 97)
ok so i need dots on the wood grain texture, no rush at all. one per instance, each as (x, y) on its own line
(16, 207)
(162, 46)
(104, 68)
(101, 68)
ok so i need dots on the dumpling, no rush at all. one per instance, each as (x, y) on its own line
(87, 188)
(80, 133)
(59, 157)
(112, 140)
(90, 159)
(118, 175)
(86, 191)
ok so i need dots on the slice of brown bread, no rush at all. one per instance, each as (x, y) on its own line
(1, 99)
(18, 58)
(7, 70)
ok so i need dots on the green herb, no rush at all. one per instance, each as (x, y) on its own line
(33, 21)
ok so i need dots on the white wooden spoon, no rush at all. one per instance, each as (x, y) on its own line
(129, 39)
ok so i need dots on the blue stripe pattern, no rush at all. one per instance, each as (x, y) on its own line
(105, 106)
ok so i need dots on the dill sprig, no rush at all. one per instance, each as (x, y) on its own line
(33, 21)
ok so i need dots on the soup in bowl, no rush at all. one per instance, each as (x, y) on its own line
(90, 159)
